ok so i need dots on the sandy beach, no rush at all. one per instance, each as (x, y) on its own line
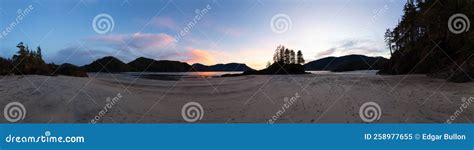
(323, 98)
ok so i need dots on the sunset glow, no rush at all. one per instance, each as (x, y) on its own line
(221, 32)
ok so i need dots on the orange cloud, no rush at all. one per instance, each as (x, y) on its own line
(199, 56)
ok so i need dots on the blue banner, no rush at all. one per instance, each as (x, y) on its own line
(237, 136)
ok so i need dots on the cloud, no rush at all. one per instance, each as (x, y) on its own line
(347, 47)
(164, 21)
(326, 52)
(235, 32)
(147, 40)
(78, 55)
(126, 47)
(199, 56)
(140, 41)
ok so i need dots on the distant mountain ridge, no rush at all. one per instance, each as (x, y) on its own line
(107, 64)
(150, 65)
(113, 65)
(346, 63)
(221, 67)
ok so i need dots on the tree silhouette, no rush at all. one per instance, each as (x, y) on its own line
(278, 56)
(284, 62)
(27, 61)
(424, 25)
(282, 55)
(299, 57)
(20, 60)
(389, 40)
(38, 53)
(292, 57)
(5, 66)
(286, 56)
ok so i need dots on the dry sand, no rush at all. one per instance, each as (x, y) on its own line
(327, 98)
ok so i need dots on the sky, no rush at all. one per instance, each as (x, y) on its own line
(197, 31)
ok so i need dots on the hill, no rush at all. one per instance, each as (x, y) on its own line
(150, 65)
(221, 67)
(276, 69)
(107, 64)
(346, 63)
(68, 70)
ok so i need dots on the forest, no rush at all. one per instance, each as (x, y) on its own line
(27, 61)
(285, 61)
(433, 38)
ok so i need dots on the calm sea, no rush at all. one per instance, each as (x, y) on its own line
(180, 75)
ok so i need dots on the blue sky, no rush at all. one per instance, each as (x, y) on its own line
(229, 30)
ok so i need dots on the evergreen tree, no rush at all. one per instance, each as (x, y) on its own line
(277, 57)
(5, 66)
(299, 57)
(292, 57)
(282, 55)
(286, 56)
(38, 53)
(424, 25)
(20, 59)
(389, 40)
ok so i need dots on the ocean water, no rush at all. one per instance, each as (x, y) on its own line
(365, 72)
(180, 75)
